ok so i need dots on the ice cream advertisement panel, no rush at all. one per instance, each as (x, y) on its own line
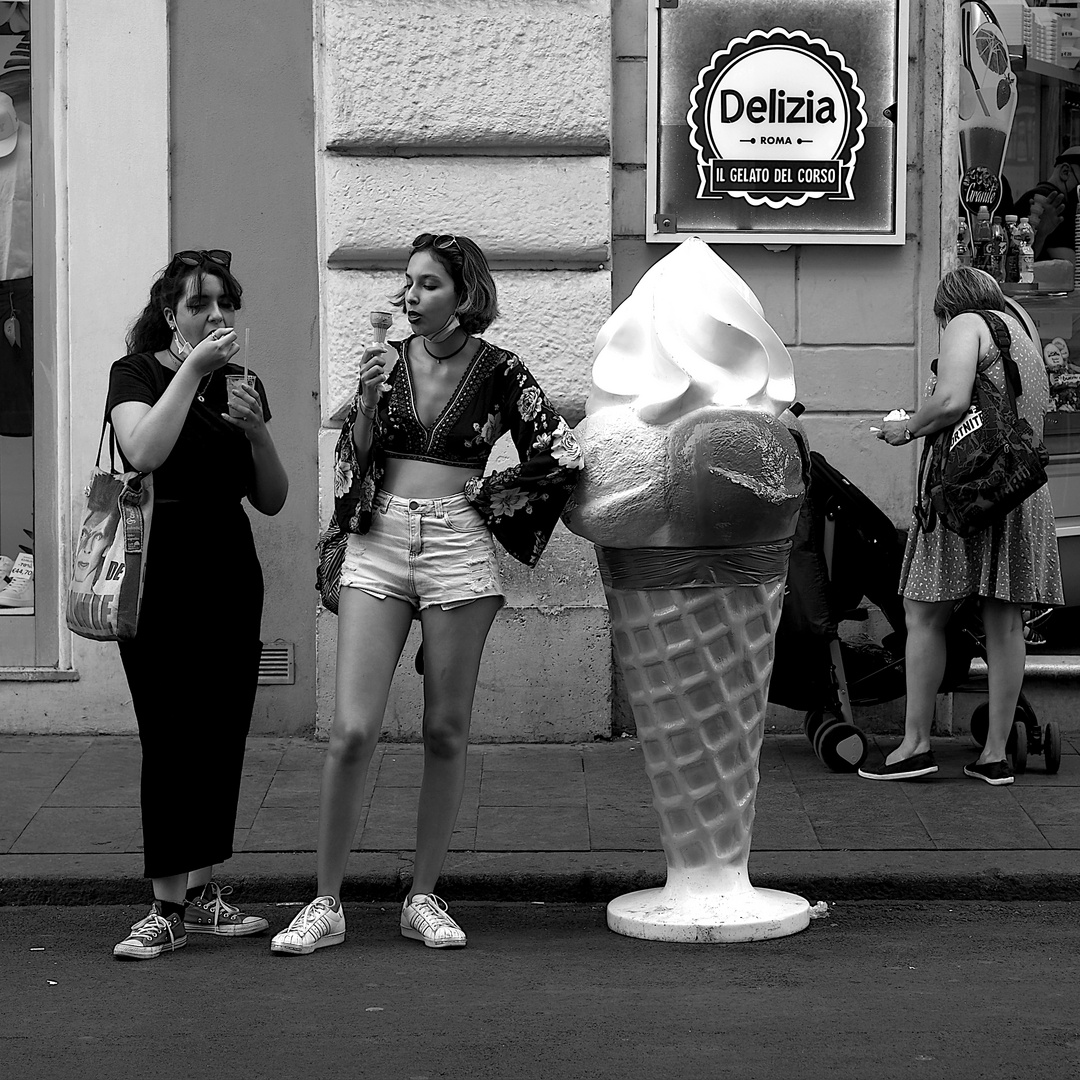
(777, 121)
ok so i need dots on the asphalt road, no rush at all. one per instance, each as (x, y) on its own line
(958, 991)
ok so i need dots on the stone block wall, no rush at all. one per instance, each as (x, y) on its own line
(489, 120)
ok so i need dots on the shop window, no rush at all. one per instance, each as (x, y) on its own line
(1026, 139)
(16, 335)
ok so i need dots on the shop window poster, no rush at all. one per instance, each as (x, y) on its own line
(777, 121)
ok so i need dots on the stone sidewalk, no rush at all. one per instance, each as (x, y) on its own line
(552, 822)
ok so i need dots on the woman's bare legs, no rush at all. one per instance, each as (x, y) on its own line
(371, 635)
(1005, 656)
(924, 667)
(453, 645)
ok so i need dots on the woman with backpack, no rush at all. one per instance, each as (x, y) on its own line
(1009, 566)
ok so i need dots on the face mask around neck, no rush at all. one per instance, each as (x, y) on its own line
(447, 329)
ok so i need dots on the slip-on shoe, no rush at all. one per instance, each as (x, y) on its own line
(993, 772)
(909, 768)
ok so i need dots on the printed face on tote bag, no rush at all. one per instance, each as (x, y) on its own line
(95, 539)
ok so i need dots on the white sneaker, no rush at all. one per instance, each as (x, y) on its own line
(20, 592)
(425, 918)
(316, 925)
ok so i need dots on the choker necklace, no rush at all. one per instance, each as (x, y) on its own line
(440, 359)
(203, 386)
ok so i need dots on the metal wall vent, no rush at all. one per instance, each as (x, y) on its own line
(276, 664)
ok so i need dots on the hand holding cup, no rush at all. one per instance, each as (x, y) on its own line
(245, 410)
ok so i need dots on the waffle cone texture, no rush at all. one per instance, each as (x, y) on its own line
(697, 664)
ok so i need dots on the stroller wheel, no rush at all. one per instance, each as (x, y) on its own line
(980, 723)
(841, 746)
(1017, 746)
(812, 722)
(1052, 747)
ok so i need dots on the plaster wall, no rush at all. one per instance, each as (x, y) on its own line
(491, 121)
(243, 178)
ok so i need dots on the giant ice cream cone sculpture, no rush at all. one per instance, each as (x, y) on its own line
(691, 491)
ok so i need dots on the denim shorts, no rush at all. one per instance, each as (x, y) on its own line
(423, 551)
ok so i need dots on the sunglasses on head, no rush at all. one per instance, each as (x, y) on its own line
(199, 258)
(440, 241)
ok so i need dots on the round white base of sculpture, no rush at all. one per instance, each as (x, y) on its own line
(749, 915)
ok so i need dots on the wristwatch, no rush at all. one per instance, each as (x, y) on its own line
(907, 434)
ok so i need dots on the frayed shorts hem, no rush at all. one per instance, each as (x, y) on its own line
(446, 605)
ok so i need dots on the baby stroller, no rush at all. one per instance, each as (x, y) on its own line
(847, 551)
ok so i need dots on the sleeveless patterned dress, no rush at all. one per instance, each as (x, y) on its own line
(1016, 559)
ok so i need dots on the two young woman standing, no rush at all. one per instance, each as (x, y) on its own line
(422, 519)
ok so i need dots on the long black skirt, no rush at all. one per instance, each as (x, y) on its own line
(192, 670)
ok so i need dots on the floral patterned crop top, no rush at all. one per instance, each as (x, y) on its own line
(497, 394)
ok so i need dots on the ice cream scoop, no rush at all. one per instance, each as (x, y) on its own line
(381, 321)
(691, 491)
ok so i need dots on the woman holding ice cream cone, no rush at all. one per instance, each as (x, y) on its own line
(1010, 566)
(421, 516)
(192, 667)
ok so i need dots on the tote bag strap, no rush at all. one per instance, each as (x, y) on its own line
(155, 371)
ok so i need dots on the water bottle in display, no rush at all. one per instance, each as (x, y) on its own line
(963, 245)
(1012, 256)
(999, 248)
(1025, 236)
(982, 239)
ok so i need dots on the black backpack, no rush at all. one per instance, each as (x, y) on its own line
(972, 474)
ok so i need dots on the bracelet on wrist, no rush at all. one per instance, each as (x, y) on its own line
(368, 410)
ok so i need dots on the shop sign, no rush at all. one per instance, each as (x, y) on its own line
(779, 135)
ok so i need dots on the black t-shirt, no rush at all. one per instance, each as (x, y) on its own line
(1063, 236)
(211, 461)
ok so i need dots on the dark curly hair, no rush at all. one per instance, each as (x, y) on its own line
(478, 305)
(150, 332)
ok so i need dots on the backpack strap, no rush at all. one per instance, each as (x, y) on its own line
(1002, 339)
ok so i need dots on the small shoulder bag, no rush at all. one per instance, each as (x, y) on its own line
(976, 472)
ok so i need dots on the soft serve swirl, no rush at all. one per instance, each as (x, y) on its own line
(682, 441)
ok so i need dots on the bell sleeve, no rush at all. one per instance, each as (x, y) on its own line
(521, 505)
(354, 489)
